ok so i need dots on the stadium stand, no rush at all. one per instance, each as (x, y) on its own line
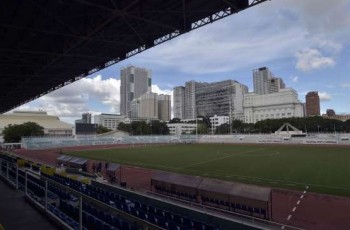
(242, 198)
(104, 206)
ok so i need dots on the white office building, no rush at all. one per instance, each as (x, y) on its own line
(216, 121)
(134, 83)
(224, 98)
(283, 104)
(181, 128)
(110, 121)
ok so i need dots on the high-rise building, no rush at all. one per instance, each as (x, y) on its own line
(190, 100)
(134, 83)
(148, 106)
(151, 106)
(223, 98)
(179, 102)
(312, 104)
(275, 84)
(283, 104)
(164, 107)
(261, 78)
(86, 118)
(265, 83)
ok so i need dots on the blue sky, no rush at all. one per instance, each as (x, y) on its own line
(307, 43)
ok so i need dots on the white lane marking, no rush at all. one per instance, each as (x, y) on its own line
(294, 209)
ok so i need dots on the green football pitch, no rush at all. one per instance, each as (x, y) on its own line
(323, 169)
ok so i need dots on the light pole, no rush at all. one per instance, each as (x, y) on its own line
(196, 128)
(151, 128)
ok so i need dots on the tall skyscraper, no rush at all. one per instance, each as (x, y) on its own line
(86, 117)
(148, 105)
(312, 104)
(151, 106)
(261, 78)
(164, 107)
(179, 102)
(190, 100)
(265, 83)
(134, 83)
(275, 84)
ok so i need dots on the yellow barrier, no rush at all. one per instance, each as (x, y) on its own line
(74, 177)
(48, 170)
(21, 162)
(63, 174)
(85, 180)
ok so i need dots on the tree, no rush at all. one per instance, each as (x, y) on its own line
(159, 127)
(14, 133)
(237, 126)
(102, 129)
(124, 127)
(223, 129)
(347, 126)
(205, 120)
(201, 129)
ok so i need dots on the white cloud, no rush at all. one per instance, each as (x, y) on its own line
(156, 89)
(295, 79)
(85, 95)
(76, 98)
(345, 85)
(330, 46)
(220, 48)
(324, 96)
(318, 17)
(310, 59)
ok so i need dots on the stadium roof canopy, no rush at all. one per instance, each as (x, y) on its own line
(46, 45)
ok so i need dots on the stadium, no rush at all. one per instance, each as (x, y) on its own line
(186, 182)
(250, 178)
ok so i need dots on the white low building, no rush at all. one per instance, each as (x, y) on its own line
(51, 124)
(181, 128)
(282, 104)
(110, 121)
(216, 121)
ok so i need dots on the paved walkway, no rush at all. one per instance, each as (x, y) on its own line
(17, 214)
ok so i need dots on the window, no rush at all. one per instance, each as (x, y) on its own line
(131, 78)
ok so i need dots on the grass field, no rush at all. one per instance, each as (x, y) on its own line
(324, 169)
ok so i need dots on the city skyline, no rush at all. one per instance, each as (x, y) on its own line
(308, 54)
